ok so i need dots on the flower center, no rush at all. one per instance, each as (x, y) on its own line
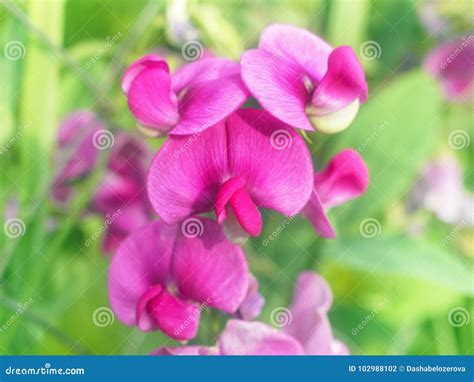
(233, 193)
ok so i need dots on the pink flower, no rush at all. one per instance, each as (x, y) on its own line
(197, 96)
(121, 197)
(76, 155)
(163, 276)
(346, 177)
(233, 168)
(304, 82)
(451, 62)
(308, 330)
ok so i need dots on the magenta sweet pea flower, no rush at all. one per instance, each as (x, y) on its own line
(308, 330)
(451, 63)
(304, 82)
(121, 197)
(248, 161)
(76, 156)
(346, 177)
(163, 276)
(197, 96)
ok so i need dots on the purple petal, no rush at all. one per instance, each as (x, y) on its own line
(186, 350)
(151, 100)
(299, 46)
(452, 62)
(309, 322)
(278, 85)
(142, 260)
(256, 338)
(253, 301)
(272, 158)
(209, 102)
(343, 83)
(186, 172)
(346, 177)
(76, 151)
(148, 61)
(208, 268)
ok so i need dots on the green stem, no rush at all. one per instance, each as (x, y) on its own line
(15, 11)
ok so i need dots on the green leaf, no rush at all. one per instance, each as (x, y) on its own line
(396, 132)
(403, 256)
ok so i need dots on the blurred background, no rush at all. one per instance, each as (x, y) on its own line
(401, 267)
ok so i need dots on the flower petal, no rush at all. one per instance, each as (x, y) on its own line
(256, 338)
(346, 177)
(209, 102)
(309, 323)
(141, 261)
(185, 174)
(209, 269)
(272, 158)
(148, 61)
(151, 100)
(205, 69)
(253, 302)
(343, 83)
(186, 350)
(299, 46)
(174, 316)
(278, 85)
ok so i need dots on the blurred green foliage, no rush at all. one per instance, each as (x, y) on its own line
(406, 285)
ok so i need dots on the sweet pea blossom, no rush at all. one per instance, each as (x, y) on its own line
(76, 153)
(248, 161)
(301, 80)
(345, 177)
(451, 62)
(121, 196)
(163, 276)
(308, 330)
(197, 96)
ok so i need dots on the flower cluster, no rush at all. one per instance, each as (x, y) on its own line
(222, 163)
